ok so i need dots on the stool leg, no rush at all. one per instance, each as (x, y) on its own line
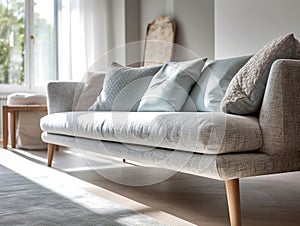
(50, 153)
(13, 129)
(5, 126)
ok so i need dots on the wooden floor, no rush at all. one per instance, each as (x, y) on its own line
(185, 199)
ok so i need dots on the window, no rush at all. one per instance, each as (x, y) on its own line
(12, 27)
(28, 52)
(44, 43)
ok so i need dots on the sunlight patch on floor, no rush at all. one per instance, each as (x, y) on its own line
(70, 187)
(31, 156)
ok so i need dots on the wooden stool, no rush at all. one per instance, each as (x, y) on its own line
(13, 111)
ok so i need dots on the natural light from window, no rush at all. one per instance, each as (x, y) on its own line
(44, 42)
(28, 58)
(12, 27)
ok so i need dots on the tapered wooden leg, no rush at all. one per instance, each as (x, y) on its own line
(233, 199)
(50, 153)
(56, 147)
(5, 126)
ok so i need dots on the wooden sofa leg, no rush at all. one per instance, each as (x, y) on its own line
(50, 153)
(233, 199)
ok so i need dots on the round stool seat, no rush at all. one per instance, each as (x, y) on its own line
(26, 99)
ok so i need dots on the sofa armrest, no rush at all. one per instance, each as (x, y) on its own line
(62, 96)
(280, 112)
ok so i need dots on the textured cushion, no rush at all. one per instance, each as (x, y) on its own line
(201, 132)
(220, 167)
(246, 89)
(298, 48)
(169, 88)
(90, 91)
(26, 99)
(279, 115)
(124, 87)
(207, 93)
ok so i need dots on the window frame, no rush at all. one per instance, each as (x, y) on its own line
(29, 76)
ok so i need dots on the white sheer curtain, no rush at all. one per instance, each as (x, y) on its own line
(86, 34)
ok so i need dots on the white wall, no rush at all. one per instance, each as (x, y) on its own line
(149, 10)
(132, 31)
(195, 26)
(209, 28)
(242, 27)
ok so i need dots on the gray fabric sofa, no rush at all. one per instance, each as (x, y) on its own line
(210, 144)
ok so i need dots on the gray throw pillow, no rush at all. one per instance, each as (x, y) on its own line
(245, 91)
(169, 88)
(90, 91)
(208, 92)
(124, 87)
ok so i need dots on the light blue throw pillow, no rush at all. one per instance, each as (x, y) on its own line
(169, 88)
(209, 90)
(124, 87)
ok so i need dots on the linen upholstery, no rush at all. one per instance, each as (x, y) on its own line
(246, 89)
(91, 91)
(180, 161)
(202, 132)
(220, 167)
(279, 116)
(208, 92)
(278, 119)
(62, 96)
(298, 48)
(124, 87)
(169, 88)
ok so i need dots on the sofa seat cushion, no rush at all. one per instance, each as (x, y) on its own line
(201, 132)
